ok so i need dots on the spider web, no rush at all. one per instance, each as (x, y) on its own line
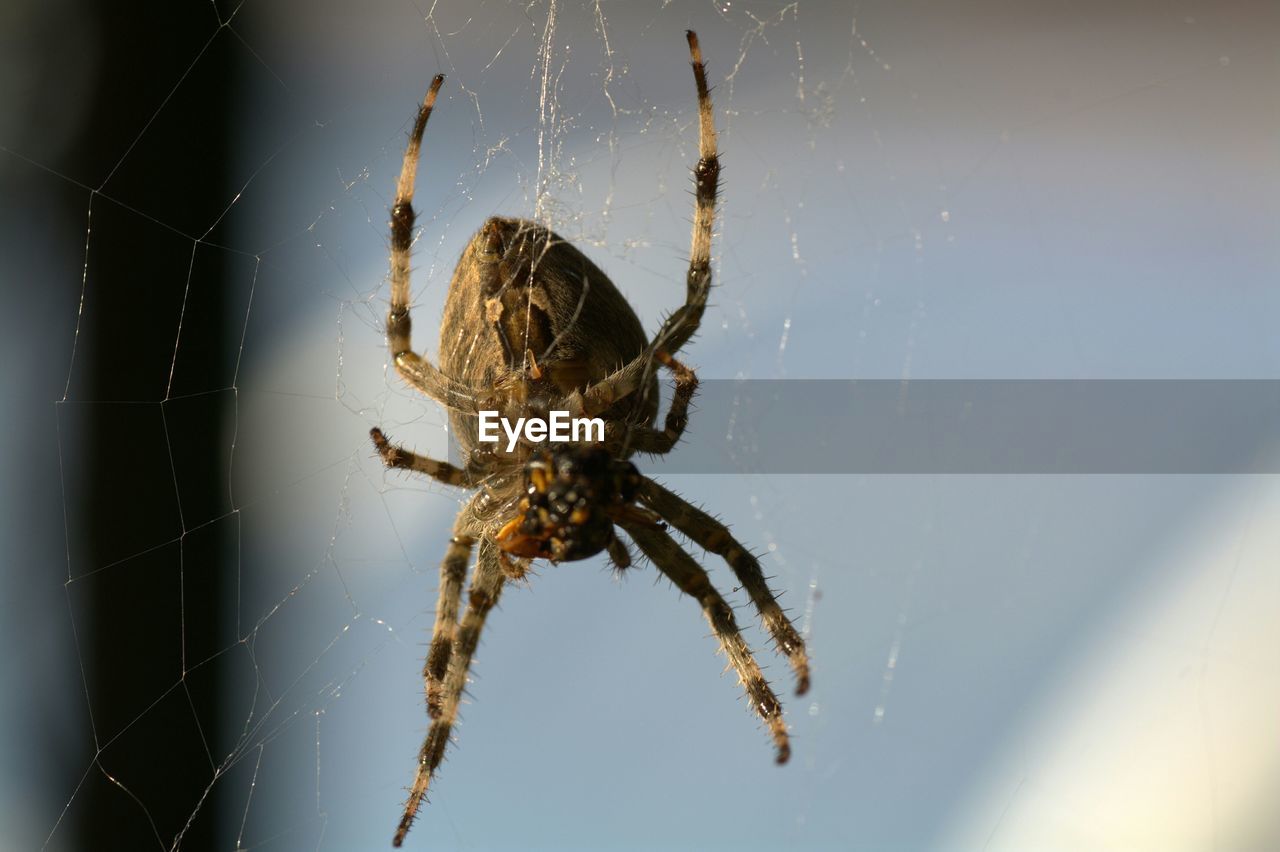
(219, 601)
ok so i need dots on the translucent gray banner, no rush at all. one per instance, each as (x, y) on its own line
(984, 427)
(989, 426)
(1033, 426)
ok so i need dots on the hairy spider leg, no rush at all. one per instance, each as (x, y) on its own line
(486, 585)
(714, 536)
(644, 438)
(413, 368)
(689, 576)
(395, 456)
(682, 324)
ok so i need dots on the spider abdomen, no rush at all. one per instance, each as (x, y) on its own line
(529, 315)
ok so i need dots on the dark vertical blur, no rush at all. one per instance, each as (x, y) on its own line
(152, 506)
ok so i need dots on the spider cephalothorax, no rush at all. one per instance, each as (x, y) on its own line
(531, 325)
(573, 497)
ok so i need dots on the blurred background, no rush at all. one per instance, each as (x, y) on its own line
(217, 603)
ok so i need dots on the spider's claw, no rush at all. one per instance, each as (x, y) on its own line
(800, 662)
(619, 555)
(386, 451)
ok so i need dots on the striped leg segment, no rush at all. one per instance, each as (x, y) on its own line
(413, 368)
(453, 571)
(398, 457)
(715, 537)
(646, 439)
(486, 586)
(689, 576)
(683, 323)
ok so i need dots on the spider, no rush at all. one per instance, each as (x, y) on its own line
(520, 289)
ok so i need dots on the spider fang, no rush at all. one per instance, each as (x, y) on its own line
(572, 499)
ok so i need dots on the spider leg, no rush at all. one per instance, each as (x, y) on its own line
(486, 585)
(619, 555)
(715, 537)
(678, 565)
(453, 570)
(684, 322)
(395, 456)
(646, 439)
(414, 369)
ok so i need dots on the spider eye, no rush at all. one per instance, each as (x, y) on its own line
(571, 497)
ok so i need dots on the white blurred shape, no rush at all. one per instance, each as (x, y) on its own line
(1164, 736)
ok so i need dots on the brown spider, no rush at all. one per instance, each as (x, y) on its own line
(520, 289)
